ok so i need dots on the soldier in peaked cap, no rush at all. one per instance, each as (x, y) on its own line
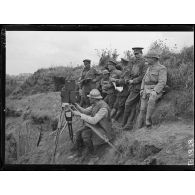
(133, 79)
(152, 87)
(88, 80)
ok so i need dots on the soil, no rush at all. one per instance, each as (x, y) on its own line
(30, 141)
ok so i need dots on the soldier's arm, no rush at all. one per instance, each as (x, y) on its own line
(97, 75)
(86, 111)
(141, 75)
(103, 112)
(143, 83)
(161, 80)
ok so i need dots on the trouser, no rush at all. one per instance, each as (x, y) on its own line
(84, 138)
(119, 106)
(110, 99)
(84, 99)
(130, 108)
(148, 103)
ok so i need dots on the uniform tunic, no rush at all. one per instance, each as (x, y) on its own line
(88, 82)
(136, 73)
(111, 92)
(122, 96)
(99, 116)
(154, 80)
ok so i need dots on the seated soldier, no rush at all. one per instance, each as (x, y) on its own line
(98, 115)
(152, 87)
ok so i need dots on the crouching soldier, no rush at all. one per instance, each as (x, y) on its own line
(152, 88)
(98, 115)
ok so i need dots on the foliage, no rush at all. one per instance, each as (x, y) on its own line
(105, 55)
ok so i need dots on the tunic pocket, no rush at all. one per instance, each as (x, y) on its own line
(154, 76)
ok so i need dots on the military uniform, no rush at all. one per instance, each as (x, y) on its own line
(98, 115)
(121, 96)
(88, 79)
(154, 80)
(136, 74)
(110, 90)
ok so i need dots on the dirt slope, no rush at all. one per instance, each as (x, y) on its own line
(29, 138)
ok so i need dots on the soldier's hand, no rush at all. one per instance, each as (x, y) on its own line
(112, 79)
(153, 93)
(130, 81)
(76, 113)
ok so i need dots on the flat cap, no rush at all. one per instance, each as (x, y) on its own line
(113, 61)
(86, 60)
(124, 59)
(137, 49)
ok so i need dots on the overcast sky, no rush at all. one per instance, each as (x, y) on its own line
(27, 51)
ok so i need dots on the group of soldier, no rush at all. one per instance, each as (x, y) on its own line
(141, 82)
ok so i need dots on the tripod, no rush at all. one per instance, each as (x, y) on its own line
(66, 115)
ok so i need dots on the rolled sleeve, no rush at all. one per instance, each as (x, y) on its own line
(103, 112)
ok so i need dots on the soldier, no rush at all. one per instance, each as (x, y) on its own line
(98, 114)
(152, 87)
(88, 79)
(104, 82)
(122, 96)
(134, 80)
(111, 92)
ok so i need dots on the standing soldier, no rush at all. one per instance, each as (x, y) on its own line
(151, 88)
(111, 92)
(88, 79)
(135, 75)
(119, 105)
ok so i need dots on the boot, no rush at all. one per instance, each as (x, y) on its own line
(129, 124)
(89, 148)
(78, 147)
(150, 110)
(140, 119)
(113, 112)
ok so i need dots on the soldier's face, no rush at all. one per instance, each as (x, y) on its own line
(151, 61)
(87, 64)
(110, 67)
(92, 100)
(105, 76)
(138, 55)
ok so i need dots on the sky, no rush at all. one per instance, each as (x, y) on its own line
(27, 51)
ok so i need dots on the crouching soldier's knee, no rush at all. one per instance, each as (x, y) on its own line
(87, 134)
